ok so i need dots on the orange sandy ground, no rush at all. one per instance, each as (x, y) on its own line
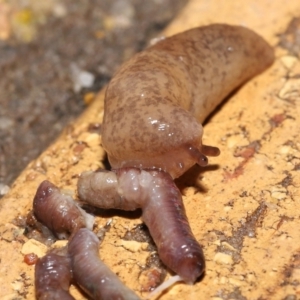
(250, 192)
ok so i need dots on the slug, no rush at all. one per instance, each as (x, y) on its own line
(155, 103)
(152, 131)
(92, 275)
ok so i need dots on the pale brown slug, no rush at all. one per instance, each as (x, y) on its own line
(157, 100)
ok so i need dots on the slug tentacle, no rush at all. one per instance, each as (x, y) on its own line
(210, 150)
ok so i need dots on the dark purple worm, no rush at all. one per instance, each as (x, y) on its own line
(91, 273)
(59, 212)
(163, 212)
(52, 278)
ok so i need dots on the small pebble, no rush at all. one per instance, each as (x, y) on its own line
(81, 79)
(223, 259)
(4, 189)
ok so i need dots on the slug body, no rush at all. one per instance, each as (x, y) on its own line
(157, 100)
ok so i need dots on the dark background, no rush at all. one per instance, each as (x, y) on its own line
(44, 47)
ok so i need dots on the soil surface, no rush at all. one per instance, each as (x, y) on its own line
(243, 208)
(54, 57)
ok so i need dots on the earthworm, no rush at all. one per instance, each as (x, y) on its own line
(53, 277)
(53, 272)
(152, 132)
(59, 212)
(92, 275)
(163, 212)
